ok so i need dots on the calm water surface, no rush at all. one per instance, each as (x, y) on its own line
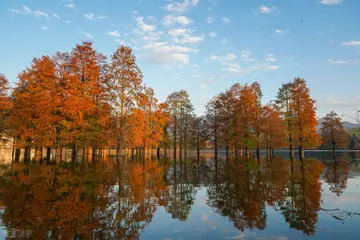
(192, 199)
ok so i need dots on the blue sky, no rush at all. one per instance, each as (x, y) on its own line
(203, 46)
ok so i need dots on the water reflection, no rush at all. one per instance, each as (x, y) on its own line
(109, 199)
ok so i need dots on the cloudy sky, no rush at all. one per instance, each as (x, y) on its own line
(203, 46)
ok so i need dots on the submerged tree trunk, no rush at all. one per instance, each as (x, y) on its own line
(301, 152)
(174, 139)
(227, 153)
(291, 147)
(258, 152)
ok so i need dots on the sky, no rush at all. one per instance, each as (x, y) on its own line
(202, 46)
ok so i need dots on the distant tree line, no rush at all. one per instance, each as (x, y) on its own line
(85, 100)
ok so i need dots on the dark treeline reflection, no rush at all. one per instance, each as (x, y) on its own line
(109, 199)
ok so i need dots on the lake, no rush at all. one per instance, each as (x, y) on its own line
(103, 198)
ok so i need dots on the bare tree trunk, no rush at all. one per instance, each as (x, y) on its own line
(27, 154)
(292, 154)
(258, 152)
(73, 153)
(174, 139)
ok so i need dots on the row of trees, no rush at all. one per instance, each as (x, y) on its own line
(82, 99)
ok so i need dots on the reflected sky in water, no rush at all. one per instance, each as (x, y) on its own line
(191, 199)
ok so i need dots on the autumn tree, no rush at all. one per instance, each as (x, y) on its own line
(213, 120)
(34, 115)
(304, 116)
(199, 134)
(125, 81)
(5, 104)
(333, 132)
(83, 91)
(273, 128)
(283, 101)
(181, 113)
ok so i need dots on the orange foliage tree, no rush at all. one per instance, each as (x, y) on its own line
(304, 116)
(333, 132)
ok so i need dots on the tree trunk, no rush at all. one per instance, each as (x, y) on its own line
(227, 153)
(258, 152)
(17, 154)
(301, 152)
(174, 138)
(291, 147)
(241, 153)
(48, 154)
(158, 153)
(27, 155)
(334, 148)
(73, 153)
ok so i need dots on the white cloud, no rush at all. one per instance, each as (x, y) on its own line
(212, 34)
(153, 36)
(68, 22)
(70, 5)
(143, 26)
(92, 16)
(182, 20)
(25, 10)
(224, 59)
(225, 20)
(232, 69)
(191, 39)
(230, 65)
(230, 56)
(280, 31)
(195, 65)
(44, 28)
(88, 35)
(271, 67)
(331, 2)
(338, 62)
(183, 35)
(342, 62)
(181, 7)
(352, 43)
(246, 55)
(178, 32)
(114, 34)
(266, 10)
(270, 58)
(56, 16)
(210, 20)
(163, 53)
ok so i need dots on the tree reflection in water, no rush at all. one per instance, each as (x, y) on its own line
(109, 199)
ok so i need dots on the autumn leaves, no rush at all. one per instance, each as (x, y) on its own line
(84, 99)
(79, 99)
(240, 122)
